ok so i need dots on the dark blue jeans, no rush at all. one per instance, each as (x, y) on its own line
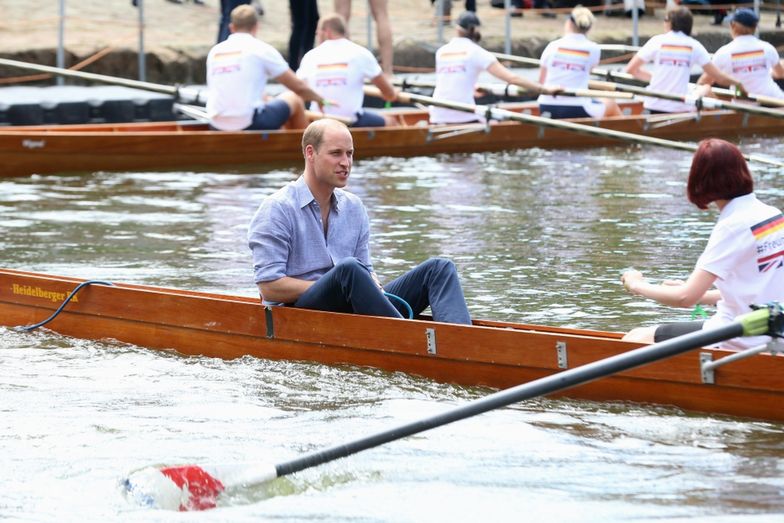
(348, 287)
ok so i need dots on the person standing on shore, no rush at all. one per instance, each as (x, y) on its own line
(237, 73)
(226, 7)
(304, 20)
(458, 65)
(338, 68)
(754, 62)
(380, 13)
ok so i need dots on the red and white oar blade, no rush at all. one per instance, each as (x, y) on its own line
(190, 487)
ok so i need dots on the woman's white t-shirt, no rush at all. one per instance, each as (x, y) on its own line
(673, 55)
(750, 60)
(746, 254)
(569, 61)
(458, 64)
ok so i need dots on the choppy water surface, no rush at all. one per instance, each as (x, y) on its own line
(539, 236)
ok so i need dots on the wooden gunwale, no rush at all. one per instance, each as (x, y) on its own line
(493, 354)
(144, 146)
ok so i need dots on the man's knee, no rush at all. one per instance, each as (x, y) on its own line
(441, 264)
(350, 266)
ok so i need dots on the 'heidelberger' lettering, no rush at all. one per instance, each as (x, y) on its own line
(38, 292)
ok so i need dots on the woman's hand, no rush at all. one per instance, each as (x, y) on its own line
(630, 278)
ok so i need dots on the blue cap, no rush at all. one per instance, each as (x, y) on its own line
(746, 17)
(468, 19)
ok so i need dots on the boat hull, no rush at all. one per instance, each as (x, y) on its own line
(168, 146)
(492, 354)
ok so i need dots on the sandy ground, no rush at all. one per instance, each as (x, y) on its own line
(91, 25)
(177, 37)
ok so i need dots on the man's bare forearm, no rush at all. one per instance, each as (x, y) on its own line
(284, 290)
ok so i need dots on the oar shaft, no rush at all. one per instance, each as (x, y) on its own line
(501, 114)
(543, 386)
(707, 102)
(548, 122)
(191, 95)
(626, 77)
(58, 71)
(515, 90)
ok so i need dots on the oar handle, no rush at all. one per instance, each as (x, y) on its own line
(315, 115)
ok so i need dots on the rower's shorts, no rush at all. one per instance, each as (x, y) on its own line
(594, 109)
(667, 331)
(369, 119)
(272, 116)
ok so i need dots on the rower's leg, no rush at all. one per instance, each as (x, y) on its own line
(640, 335)
(611, 108)
(434, 283)
(347, 287)
(297, 118)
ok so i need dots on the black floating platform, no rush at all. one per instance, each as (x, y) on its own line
(79, 105)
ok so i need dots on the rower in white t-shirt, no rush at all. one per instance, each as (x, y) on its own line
(458, 65)
(673, 54)
(237, 72)
(568, 62)
(748, 58)
(338, 68)
(744, 257)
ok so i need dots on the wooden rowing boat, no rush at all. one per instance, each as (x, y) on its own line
(488, 353)
(145, 146)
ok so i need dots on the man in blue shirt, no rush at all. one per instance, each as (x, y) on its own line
(310, 244)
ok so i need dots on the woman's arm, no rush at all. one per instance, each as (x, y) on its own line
(635, 69)
(686, 294)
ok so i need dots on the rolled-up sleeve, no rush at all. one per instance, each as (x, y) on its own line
(269, 239)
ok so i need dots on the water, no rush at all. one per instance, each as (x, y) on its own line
(538, 236)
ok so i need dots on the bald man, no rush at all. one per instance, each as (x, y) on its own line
(310, 244)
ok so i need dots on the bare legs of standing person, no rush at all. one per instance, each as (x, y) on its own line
(380, 13)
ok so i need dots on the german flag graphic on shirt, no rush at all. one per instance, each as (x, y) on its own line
(333, 67)
(677, 55)
(748, 61)
(452, 62)
(770, 243)
(571, 59)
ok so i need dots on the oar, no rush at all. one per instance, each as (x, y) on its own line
(704, 102)
(626, 77)
(516, 90)
(502, 114)
(197, 487)
(186, 94)
(758, 98)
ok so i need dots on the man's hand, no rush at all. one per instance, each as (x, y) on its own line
(376, 280)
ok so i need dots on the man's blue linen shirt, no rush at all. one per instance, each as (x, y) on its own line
(287, 238)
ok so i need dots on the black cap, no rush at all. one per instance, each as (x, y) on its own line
(468, 19)
(746, 17)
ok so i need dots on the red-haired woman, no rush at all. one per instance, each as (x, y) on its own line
(744, 257)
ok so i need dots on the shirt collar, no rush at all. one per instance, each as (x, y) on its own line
(738, 201)
(305, 197)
